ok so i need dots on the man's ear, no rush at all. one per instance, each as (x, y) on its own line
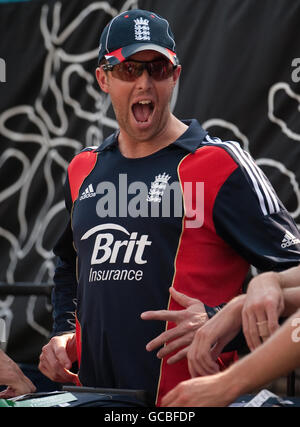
(102, 79)
(176, 74)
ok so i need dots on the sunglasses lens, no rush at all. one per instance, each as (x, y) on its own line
(128, 70)
(131, 70)
(160, 70)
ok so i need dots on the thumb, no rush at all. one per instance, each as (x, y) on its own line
(8, 393)
(63, 358)
(182, 299)
(72, 377)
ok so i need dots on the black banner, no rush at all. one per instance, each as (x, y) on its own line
(240, 79)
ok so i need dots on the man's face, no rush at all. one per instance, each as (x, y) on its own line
(142, 106)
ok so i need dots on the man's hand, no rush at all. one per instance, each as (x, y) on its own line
(187, 322)
(212, 337)
(12, 376)
(57, 358)
(263, 306)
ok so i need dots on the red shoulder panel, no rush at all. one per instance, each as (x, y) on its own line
(79, 168)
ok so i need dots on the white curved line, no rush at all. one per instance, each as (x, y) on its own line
(104, 227)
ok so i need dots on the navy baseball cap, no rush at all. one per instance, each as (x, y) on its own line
(134, 31)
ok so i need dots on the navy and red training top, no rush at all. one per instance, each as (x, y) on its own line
(194, 215)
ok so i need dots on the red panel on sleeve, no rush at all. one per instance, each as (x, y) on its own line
(206, 267)
(79, 168)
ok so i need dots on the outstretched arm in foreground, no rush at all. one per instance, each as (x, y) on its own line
(279, 355)
(211, 338)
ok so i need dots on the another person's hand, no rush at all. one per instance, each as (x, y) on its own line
(263, 306)
(212, 337)
(57, 358)
(204, 391)
(187, 322)
(12, 376)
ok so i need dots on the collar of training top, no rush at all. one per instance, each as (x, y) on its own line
(190, 140)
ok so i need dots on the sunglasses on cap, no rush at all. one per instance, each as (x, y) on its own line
(160, 69)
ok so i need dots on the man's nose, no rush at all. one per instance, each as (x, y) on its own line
(144, 80)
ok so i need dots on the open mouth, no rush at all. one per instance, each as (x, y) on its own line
(143, 111)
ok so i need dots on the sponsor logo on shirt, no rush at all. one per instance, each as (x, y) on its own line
(88, 192)
(110, 250)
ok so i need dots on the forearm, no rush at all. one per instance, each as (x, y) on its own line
(290, 278)
(271, 280)
(238, 342)
(291, 301)
(63, 300)
(10, 373)
(65, 289)
(279, 355)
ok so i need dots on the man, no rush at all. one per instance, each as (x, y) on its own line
(159, 204)
(277, 356)
(12, 376)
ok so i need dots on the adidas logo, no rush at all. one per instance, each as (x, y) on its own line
(88, 192)
(289, 240)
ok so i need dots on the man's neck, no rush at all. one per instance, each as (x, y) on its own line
(132, 148)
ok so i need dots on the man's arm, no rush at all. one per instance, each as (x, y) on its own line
(276, 357)
(290, 278)
(59, 354)
(210, 340)
(291, 301)
(65, 284)
(265, 303)
(249, 216)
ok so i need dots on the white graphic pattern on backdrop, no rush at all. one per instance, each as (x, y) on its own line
(50, 136)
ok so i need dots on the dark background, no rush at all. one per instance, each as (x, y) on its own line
(236, 80)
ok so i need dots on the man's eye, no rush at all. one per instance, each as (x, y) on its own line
(129, 69)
